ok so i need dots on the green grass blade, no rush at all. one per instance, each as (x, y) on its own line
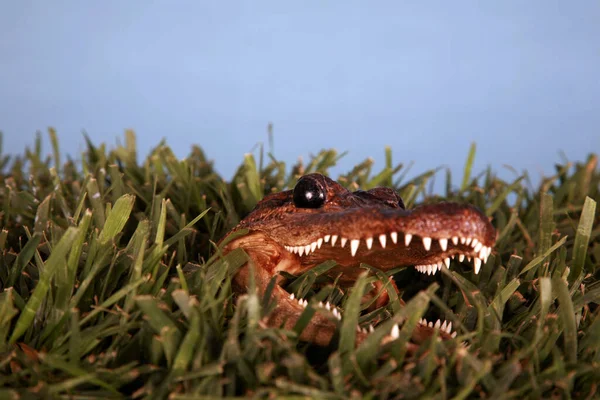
(468, 167)
(57, 258)
(582, 237)
(567, 315)
(117, 219)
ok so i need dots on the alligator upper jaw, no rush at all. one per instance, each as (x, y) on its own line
(428, 237)
(388, 251)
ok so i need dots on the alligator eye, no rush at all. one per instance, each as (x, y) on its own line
(308, 193)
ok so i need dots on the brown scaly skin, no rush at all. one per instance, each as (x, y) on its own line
(293, 231)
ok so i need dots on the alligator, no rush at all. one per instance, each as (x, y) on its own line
(319, 219)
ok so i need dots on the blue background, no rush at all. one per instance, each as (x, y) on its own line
(522, 79)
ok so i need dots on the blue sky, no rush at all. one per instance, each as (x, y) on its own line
(427, 78)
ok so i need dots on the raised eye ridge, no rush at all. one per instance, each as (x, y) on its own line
(309, 193)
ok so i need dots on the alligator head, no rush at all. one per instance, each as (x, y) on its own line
(320, 220)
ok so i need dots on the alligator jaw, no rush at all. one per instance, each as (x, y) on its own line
(294, 231)
(428, 237)
(428, 255)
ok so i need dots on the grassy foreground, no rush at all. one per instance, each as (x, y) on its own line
(112, 285)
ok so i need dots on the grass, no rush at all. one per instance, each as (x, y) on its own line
(112, 285)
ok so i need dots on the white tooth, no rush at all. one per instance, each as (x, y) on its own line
(326, 238)
(319, 243)
(313, 246)
(407, 239)
(444, 325)
(369, 242)
(307, 249)
(354, 246)
(421, 321)
(455, 240)
(477, 263)
(427, 243)
(474, 242)
(439, 265)
(489, 251)
(394, 236)
(300, 250)
(333, 240)
(430, 324)
(447, 262)
(453, 334)
(478, 247)
(461, 257)
(443, 244)
(328, 306)
(371, 329)
(286, 248)
(429, 269)
(395, 333)
(321, 304)
(452, 256)
(485, 258)
(437, 325)
(483, 252)
(304, 303)
(449, 327)
(468, 241)
(463, 240)
(434, 268)
(343, 242)
(382, 239)
(337, 314)
(292, 296)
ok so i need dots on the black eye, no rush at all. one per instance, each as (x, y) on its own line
(308, 193)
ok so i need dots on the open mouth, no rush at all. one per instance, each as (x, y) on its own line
(435, 252)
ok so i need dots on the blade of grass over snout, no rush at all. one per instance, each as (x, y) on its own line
(582, 238)
(56, 259)
(351, 312)
(304, 282)
(414, 310)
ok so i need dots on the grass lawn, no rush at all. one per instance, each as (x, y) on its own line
(112, 285)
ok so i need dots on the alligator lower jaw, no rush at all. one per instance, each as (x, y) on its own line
(444, 327)
(390, 250)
